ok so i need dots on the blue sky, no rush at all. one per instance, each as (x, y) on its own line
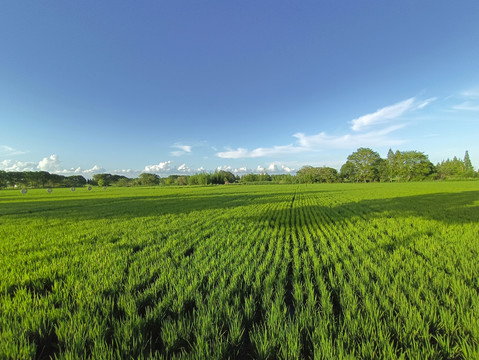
(182, 86)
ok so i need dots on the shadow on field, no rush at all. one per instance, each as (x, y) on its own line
(134, 206)
(449, 208)
(461, 207)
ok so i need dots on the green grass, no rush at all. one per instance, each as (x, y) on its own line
(361, 271)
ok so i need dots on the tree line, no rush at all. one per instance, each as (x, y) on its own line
(363, 165)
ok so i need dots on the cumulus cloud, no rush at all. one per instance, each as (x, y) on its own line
(241, 170)
(241, 153)
(224, 168)
(160, 167)
(12, 165)
(79, 171)
(94, 170)
(50, 164)
(382, 115)
(275, 168)
(6, 150)
(125, 172)
(183, 168)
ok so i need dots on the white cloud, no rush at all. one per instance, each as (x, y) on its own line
(183, 168)
(383, 115)
(426, 102)
(50, 164)
(182, 149)
(241, 170)
(224, 168)
(234, 154)
(79, 171)
(124, 172)
(379, 136)
(372, 138)
(471, 94)
(94, 170)
(260, 152)
(467, 105)
(6, 150)
(185, 148)
(470, 101)
(275, 168)
(321, 141)
(11, 165)
(160, 167)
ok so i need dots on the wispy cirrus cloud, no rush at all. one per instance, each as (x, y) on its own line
(6, 150)
(470, 101)
(467, 105)
(182, 149)
(382, 115)
(426, 102)
(371, 138)
(372, 129)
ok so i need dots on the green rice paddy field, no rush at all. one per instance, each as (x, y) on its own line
(359, 271)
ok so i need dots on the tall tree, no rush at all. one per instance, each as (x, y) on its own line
(348, 172)
(467, 162)
(415, 165)
(390, 164)
(309, 174)
(468, 168)
(149, 179)
(365, 162)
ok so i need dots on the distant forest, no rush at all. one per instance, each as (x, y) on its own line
(363, 165)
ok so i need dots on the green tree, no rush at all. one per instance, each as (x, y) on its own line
(415, 165)
(468, 168)
(348, 172)
(75, 180)
(310, 174)
(391, 165)
(103, 178)
(148, 179)
(365, 162)
(450, 169)
(182, 180)
(3, 179)
(383, 170)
